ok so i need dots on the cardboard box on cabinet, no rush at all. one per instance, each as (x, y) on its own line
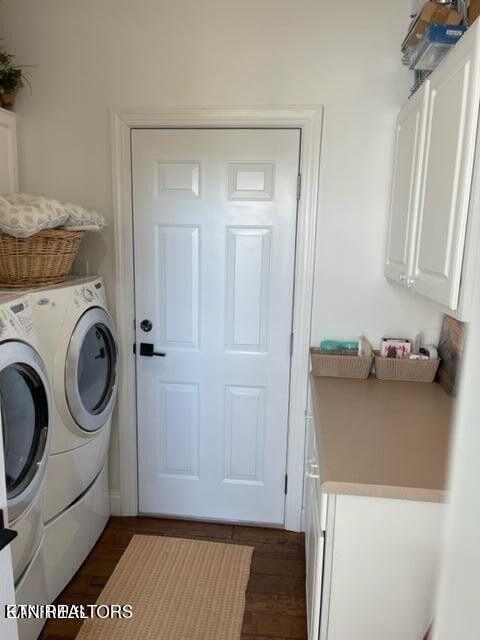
(417, 6)
(431, 13)
(473, 10)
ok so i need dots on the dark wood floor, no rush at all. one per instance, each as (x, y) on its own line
(275, 604)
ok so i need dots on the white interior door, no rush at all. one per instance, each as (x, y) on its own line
(8, 627)
(214, 228)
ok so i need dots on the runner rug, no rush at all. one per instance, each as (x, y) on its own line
(178, 590)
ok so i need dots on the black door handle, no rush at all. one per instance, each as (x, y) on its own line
(6, 535)
(146, 349)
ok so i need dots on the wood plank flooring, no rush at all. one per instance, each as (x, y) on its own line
(275, 603)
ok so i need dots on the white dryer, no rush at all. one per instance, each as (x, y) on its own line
(25, 402)
(77, 340)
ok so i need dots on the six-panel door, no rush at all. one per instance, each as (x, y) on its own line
(214, 226)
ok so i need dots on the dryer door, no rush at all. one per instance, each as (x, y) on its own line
(91, 370)
(25, 407)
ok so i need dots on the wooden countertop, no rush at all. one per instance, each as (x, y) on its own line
(383, 439)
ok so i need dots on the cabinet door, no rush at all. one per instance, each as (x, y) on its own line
(308, 444)
(8, 152)
(451, 130)
(314, 545)
(8, 627)
(381, 568)
(409, 141)
(314, 535)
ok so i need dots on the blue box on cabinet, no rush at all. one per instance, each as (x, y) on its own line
(434, 46)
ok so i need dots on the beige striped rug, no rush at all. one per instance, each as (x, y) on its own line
(179, 590)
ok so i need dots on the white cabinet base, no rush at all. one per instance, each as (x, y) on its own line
(382, 568)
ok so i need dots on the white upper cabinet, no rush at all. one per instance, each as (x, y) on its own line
(447, 174)
(432, 181)
(409, 141)
(8, 152)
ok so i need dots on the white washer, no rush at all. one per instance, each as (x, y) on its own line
(70, 536)
(25, 402)
(76, 339)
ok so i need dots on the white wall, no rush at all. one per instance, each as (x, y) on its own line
(459, 591)
(95, 54)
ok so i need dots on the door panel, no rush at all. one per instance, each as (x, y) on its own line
(244, 434)
(214, 227)
(447, 174)
(177, 282)
(248, 277)
(178, 410)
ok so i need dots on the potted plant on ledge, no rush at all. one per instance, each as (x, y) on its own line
(12, 79)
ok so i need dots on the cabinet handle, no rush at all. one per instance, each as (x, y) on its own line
(403, 277)
(313, 470)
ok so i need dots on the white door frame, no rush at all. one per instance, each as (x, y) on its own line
(309, 120)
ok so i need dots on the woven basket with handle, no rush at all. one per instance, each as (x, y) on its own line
(42, 259)
(405, 369)
(336, 366)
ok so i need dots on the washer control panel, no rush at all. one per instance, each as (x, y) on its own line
(88, 295)
(16, 319)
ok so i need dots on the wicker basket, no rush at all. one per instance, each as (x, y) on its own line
(405, 369)
(42, 259)
(334, 366)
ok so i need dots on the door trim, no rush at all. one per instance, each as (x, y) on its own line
(310, 121)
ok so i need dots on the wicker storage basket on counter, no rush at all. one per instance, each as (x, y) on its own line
(405, 370)
(335, 366)
(42, 259)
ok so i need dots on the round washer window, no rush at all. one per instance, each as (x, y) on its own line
(24, 409)
(97, 368)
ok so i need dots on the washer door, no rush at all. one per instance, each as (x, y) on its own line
(25, 412)
(91, 370)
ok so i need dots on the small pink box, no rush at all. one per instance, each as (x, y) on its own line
(395, 348)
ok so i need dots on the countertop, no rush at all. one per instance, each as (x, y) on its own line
(383, 439)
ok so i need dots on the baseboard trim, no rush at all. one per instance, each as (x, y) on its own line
(115, 503)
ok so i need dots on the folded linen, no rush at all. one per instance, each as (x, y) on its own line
(81, 219)
(22, 215)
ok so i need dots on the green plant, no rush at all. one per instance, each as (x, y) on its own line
(12, 77)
